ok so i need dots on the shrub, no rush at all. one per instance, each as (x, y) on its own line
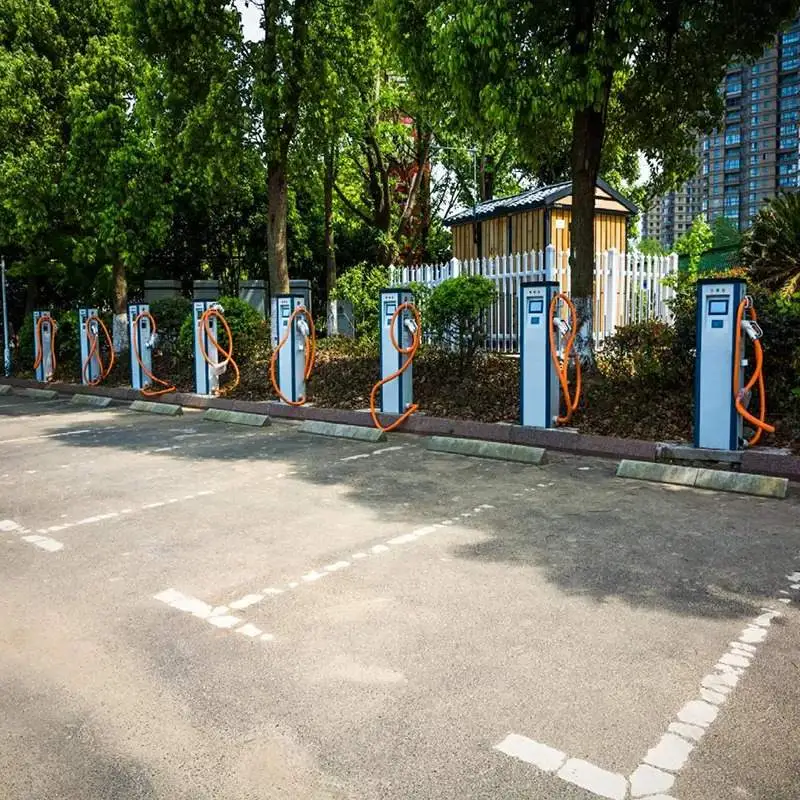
(170, 314)
(455, 312)
(360, 286)
(247, 327)
(771, 247)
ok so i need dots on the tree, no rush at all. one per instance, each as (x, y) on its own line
(771, 247)
(642, 72)
(726, 233)
(651, 247)
(695, 242)
(115, 182)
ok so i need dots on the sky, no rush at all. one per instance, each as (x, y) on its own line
(251, 19)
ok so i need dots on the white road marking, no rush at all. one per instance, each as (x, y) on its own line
(545, 758)
(356, 457)
(249, 630)
(45, 542)
(271, 591)
(9, 525)
(379, 548)
(657, 772)
(216, 616)
(598, 781)
(358, 556)
(336, 566)
(313, 576)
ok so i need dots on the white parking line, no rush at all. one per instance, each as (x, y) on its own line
(218, 617)
(661, 764)
(45, 436)
(337, 566)
(42, 542)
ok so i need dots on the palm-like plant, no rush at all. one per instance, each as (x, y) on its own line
(771, 248)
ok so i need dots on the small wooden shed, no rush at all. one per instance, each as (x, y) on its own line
(536, 218)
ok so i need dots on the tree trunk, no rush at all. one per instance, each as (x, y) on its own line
(330, 252)
(31, 295)
(119, 327)
(278, 201)
(588, 128)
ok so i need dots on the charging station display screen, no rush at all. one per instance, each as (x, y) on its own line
(718, 307)
(285, 312)
(389, 310)
(536, 305)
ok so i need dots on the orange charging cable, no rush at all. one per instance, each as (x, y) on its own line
(409, 351)
(136, 345)
(311, 350)
(204, 326)
(40, 344)
(562, 367)
(757, 377)
(94, 351)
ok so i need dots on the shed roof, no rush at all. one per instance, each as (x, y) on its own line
(525, 201)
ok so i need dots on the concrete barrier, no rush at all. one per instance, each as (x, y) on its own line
(500, 451)
(342, 431)
(40, 394)
(90, 400)
(167, 409)
(236, 417)
(718, 480)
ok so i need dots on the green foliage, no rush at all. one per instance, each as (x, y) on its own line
(249, 332)
(651, 247)
(455, 312)
(726, 234)
(771, 247)
(695, 242)
(170, 314)
(360, 286)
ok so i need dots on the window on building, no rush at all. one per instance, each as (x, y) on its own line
(790, 116)
(787, 181)
(755, 95)
(790, 102)
(790, 63)
(733, 135)
(755, 120)
(788, 143)
(732, 164)
(791, 90)
(755, 82)
(753, 147)
(753, 160)
(790, 37)
(790, 49)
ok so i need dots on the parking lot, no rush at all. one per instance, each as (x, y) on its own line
(197, 610)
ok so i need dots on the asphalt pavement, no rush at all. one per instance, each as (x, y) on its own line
(193, 610)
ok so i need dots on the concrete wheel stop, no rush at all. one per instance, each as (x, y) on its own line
(148, 407)
(95, 400)
(500, 451)
(236, 417)
(342, 431)
(700, 478)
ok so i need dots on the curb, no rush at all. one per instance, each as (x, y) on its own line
(738, 482)
(523, 454)
(342, 431)
(167, 409)
(90, 400)
(758, 461)
(236, 417)
(39, 394)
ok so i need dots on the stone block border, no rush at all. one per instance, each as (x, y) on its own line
(236, 417)
(501, 451)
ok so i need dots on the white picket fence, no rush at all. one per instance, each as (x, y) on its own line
(628, 287)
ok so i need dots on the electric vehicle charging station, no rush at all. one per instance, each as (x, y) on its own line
(717, 423)
(141, 337)
(91, 371)
(289, 369)
(396, 395)
(538, 374)
(206, 355)
(43, 343)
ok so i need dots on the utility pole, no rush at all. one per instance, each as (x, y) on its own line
(6, 345)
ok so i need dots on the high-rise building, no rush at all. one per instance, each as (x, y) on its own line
(671, 215)
(756, 152)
